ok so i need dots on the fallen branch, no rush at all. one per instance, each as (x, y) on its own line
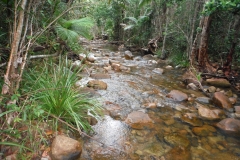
(43, 56)
(213, 75)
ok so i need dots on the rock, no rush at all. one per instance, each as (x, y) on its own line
(169, 122)
(230, 126)
(116, 67)
(237, 109)
(65, 148)
(218, 82)
(192, 86)
(108, 68)
(169, 67)
(96, 84)
(211, 89)
(139, 120)
(150, 105)
(177, 140)
(77, 64)
(221, 100)
(158, 71)
(178, 153)
(128, 55)
(177, 95)
(100, 76)
(155, 149)
(229, 93)
(191, 119)
(204, 130)
(90, 57)
(233, 100)
(82, 56)
(209, 114)
(204, 100)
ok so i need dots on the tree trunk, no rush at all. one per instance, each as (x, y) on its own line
(163, 55)
(202, 55)
(192, 29)
(236, 30)
(12, 73)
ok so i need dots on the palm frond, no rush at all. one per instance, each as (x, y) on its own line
(129, 27)
(143, 2)
(133, 19)
(66, 34)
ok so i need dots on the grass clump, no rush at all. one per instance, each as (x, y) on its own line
(54, 94)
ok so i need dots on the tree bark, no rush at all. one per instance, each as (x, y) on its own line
(12, 73)
(163, 55)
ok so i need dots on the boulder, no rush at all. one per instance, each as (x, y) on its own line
(177, 95)
(82, 56)
(218, 82)
(116, 67)
(96, 84)
(212, 89)
(158, 71)
(221, 100)
(128, 55)
(204, 130)
(65, 148)
(230, 126)
(90, 57)
(169, 67)
(209, 114)
(139, 120)
(204, 100)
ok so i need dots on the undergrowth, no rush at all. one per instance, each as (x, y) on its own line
(47, 99)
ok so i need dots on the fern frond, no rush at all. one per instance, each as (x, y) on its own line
(66, 34)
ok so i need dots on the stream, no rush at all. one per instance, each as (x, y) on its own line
(140, 122)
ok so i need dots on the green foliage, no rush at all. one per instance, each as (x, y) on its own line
(232, 6)
(54, 94)
(70, 30)
(179, 59)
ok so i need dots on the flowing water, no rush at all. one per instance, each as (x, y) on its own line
(169, 133)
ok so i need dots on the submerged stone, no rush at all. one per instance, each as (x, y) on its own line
(139, 120)
(177, 95)
(178, 153)
(205, 130)
(210, 114)
(177, 140)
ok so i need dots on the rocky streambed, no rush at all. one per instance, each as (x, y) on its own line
(150, 114)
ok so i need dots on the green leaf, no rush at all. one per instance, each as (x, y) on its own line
(129, 27)
(133, 19)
